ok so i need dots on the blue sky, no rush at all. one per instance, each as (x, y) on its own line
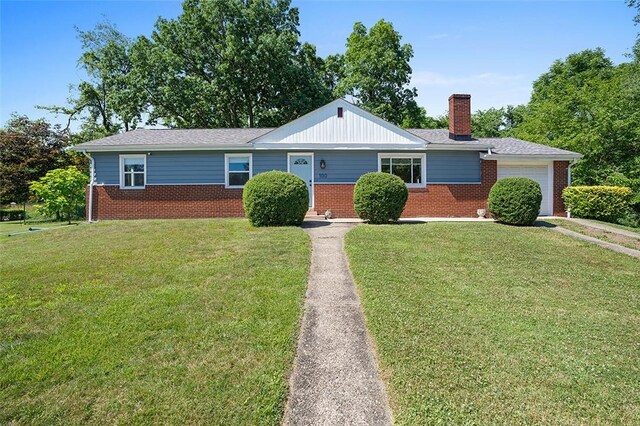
(493, 50)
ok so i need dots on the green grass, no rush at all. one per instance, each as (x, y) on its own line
(601, 234)
(150, 322)
(490, 324)
(10, 227)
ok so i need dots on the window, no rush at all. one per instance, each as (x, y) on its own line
(133, 171)
(238, 169)
(409, 167)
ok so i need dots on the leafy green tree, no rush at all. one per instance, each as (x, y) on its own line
(376, 74)
(229, 63)
(497, 122)
(62, 191)
(586, 104)
(28, 149)
(112, 98)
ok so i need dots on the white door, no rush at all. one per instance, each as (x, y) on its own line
(540, 174)
(301, 165)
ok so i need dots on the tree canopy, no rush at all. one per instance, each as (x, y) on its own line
(376, 73)
(28, 149)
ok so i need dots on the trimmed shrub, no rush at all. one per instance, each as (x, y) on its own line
(11, 214)
(275, 199)
(380, 197)
(608, 203)
(515, 201)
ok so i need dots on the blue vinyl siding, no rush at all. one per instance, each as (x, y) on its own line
(265, 161)
(203, 167)
(344, 166)
(185, 167)
(453, 167)
(107, 167)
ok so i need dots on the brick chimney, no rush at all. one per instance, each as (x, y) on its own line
(460, 117)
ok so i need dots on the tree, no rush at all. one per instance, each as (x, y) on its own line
(229, 63)
(376, 73)
(62, 191)
(112, 96)
(586, 104)
(28, 149)
(497, 122)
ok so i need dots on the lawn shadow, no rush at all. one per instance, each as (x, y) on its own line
(544, 224)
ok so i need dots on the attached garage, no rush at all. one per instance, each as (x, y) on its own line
(541, 173)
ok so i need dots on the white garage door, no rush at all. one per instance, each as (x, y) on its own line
(538, 173)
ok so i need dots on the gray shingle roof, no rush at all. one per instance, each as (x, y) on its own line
(513, 146)
(195, 138)
(440, 136)
(181, 137)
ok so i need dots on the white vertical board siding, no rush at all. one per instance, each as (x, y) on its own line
(324, 126)
(538, 173)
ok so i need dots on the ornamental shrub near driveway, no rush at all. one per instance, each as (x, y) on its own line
(515, 201)
(608, 203)
(380, 197)
(275, 198)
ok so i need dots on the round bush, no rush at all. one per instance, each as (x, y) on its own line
(515, 201)
(380, 197)
(275, 199)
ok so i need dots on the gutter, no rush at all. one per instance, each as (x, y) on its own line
(92, 172)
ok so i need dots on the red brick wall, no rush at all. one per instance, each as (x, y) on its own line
(560, 181)
(448, 200)
(166, 202)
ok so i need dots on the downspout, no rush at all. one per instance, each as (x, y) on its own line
(575, 160)
(91, 184)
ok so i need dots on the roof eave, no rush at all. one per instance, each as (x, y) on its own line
(172, 147)
(559, 157)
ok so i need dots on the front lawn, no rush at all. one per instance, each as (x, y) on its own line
(150, 322)
(491, 324)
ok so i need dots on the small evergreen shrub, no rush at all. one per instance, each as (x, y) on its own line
(380, 197)
(515, 201)
(275, 199)
(608, 203)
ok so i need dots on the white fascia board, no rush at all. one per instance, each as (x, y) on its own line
(530, 157)
(339, 146)
(139, 148)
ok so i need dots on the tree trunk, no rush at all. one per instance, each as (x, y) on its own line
(24, 213)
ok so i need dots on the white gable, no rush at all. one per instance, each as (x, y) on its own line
(356, 129)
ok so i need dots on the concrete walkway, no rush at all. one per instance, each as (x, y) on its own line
(605, 244)
(335, 379)
(605, 227)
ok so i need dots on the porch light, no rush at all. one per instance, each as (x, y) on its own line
(323, 164)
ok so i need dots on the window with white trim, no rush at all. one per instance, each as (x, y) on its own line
(410, 168)
(238, 169)
(133, 171)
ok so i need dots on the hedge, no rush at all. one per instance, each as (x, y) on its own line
(275, 199)
(515, 201)
(11, 214)
(380, 197)
(608, 203)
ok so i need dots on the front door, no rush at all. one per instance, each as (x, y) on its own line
(301, 165)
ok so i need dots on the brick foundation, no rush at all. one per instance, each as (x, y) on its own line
(166, 202)
(560, 182)
(446, 200)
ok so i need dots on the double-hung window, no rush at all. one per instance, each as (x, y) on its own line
(409, 167)
(133, 169)
(238, 169)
